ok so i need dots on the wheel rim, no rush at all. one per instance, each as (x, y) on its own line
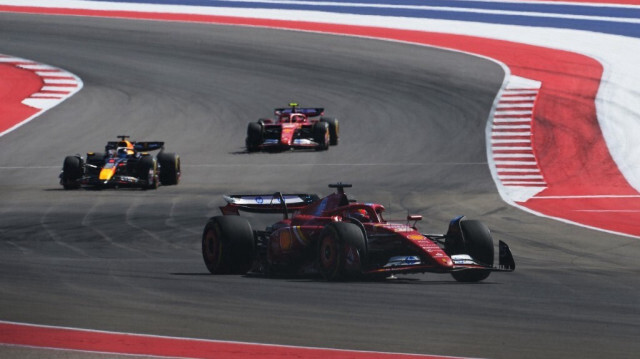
(328, 254)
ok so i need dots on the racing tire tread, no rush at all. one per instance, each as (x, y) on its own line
(146, 164)
(478, 243)
(320, 131)
(233, 238)
(71, 172)
(334, 130)
(255, 133)
(169, 168)
(343, 234)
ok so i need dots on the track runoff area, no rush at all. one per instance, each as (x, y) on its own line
(569, 182)
(28, 88)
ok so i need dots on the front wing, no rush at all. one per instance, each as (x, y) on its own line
(461, 262)
(115, 181)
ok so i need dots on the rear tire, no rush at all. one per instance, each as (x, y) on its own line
(255, 132)
(478, 243)
(169, 168)
(334, 130)
(71, 172)
(341, 251)
(228, 245)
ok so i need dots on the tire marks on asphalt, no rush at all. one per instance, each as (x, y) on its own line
(45, 223)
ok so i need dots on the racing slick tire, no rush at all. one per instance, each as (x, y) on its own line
(341, 251)
(334, 129)
(228, 245)
(148, 172)
(255, 133)
(169, 168)
(71, 172)
(478, 243)
(321, 135)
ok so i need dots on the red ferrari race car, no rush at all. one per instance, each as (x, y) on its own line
(293, 128)
(123, 164)
(343, 239)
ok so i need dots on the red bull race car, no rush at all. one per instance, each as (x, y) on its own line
(123, 164)
(343, 239)
(293, 128)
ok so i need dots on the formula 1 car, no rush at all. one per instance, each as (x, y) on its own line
(343, 239)
(293, 128)
(123, 164)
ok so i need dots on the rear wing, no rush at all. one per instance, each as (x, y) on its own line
(266, 203)
(138, 146)
(310, 112)
(148, 146)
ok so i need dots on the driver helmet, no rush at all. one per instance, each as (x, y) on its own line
(361, 215)
(122, 152)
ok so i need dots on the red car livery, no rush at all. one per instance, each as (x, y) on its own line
(293, 128)
(343, 239)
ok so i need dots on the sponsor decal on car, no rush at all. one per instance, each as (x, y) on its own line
(460, 259)
(396, 227)
(402, 261)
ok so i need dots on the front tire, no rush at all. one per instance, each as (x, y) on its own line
(478, 243)
(228, 245)
(334, 130)
(71, 172)
(321, 135)
(341, 251)
(255, 134)
(148, 172)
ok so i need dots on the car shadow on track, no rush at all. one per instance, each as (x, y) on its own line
(97, 189)
(319, 279)
(191, 274)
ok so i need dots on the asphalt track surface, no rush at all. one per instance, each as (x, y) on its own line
(412, 138)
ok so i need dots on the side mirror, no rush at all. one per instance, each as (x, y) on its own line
(415, 218)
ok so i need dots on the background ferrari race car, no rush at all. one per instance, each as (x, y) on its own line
(343, 239)
(293, 128)
(123, 164)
